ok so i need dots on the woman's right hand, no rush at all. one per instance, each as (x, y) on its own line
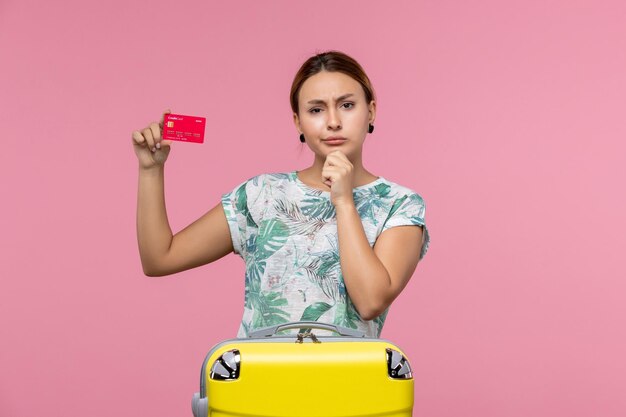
(149, 147)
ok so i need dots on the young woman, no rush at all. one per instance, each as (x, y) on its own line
(332, 242)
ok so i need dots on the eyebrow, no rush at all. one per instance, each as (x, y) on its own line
(318, 101)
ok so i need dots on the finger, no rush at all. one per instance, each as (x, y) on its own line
(337, 155)
(330, 160)
(163, 117)
(329, 173)
(341, 156)
(345, 167)
(337, 152)
(147, 133)
(156, 132)
(335, 160)
(163, 144)
(138, 138)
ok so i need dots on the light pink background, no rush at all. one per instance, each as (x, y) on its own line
(507, 117)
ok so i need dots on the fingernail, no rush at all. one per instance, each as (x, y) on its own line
(158, 145)
(153, 149)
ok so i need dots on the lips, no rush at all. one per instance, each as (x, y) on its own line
(334, 140)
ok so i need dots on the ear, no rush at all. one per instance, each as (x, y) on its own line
(296, 121)
(372, 111)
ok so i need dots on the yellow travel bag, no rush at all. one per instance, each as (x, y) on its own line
(305, 375)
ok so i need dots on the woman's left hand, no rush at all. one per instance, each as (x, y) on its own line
(337, 173)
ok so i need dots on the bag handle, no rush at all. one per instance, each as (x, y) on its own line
(272, 330)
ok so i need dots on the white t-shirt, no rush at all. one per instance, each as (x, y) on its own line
(286, 232)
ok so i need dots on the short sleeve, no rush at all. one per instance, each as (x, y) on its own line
(235, 205)
(409, 210)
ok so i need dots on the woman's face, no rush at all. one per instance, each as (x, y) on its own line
(332, 104)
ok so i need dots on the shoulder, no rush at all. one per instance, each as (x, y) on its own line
(398, 192)
(263, 179)
(402, 202)
(262, 183)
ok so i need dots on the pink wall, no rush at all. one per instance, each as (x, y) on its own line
(507, 117)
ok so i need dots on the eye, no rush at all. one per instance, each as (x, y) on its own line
(351, 105)
(313, 110)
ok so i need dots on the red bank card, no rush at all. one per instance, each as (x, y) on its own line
(183, 128)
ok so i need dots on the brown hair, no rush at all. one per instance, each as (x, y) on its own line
(330, 61)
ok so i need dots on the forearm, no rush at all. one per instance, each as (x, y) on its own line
(366, 279)
(154, 234)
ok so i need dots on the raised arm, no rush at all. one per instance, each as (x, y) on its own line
(203, 241)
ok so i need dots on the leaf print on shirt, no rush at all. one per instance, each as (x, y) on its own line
(324, 269)
(299, 224)
(277, 183)
(268, 311)
(319, 207)
(254, 272)
(313, 313)
(418, 202)
(266, 306)
(280, 176)
(346, 315)
(272, 236)
(371, 199)
(325, 279)
(382, 190)
(395, 206)
(241, 204)
(330, 256)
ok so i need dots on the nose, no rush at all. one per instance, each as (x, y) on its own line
(333, 119)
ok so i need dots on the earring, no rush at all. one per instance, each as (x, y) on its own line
(302, 137)
(371, 128)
